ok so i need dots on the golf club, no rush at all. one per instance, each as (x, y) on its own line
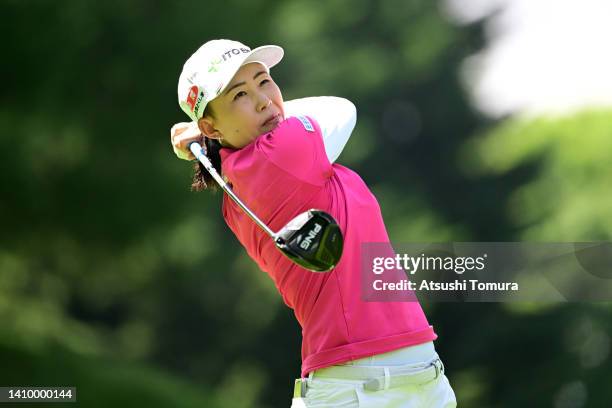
(312, 240)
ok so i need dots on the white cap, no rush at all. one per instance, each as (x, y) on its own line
(210, 69)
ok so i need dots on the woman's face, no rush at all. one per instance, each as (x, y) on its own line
(251, 104)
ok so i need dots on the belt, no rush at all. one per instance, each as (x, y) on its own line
(376, 378)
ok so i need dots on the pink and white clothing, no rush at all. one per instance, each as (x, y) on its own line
(288, 171)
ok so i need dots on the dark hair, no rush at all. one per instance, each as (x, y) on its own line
(202, 180)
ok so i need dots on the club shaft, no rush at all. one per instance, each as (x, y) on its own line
(198, 152)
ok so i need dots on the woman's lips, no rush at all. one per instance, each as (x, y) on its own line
(272, 121)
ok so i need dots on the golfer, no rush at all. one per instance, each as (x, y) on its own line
(279, 159)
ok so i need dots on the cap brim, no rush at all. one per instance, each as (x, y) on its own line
(269, 55)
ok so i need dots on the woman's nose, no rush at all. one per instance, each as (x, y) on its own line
(264, 102)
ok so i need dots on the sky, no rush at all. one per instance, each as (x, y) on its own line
(541, 57)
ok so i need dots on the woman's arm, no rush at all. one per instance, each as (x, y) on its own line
(336, 118)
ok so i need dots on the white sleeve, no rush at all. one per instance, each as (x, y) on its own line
(336, 118)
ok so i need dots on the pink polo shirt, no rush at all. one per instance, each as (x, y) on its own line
(286, 172)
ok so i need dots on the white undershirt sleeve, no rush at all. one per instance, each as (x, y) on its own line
(336, 118)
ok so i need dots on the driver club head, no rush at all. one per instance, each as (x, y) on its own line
(313, 240)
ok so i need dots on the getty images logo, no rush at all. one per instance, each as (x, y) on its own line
(312, 234)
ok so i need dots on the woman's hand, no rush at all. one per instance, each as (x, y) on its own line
(181, 135)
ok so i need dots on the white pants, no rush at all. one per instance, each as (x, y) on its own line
(331, 392)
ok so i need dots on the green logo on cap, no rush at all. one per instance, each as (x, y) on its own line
(214, 66)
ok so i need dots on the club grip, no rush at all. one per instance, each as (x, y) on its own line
(198, 150)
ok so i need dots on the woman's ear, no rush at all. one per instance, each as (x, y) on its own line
(207, 127)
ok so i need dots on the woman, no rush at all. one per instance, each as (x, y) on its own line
(279, 159)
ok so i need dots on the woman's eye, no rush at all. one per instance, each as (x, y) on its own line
(265, 81)
(239, 94)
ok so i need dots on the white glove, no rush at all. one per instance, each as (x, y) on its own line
(181, 135)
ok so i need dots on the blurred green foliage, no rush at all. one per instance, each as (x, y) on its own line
(116, 279)
(567, 199)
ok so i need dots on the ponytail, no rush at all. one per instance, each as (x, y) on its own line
(202, 180)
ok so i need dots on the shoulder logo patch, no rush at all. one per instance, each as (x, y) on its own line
(307, 125)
